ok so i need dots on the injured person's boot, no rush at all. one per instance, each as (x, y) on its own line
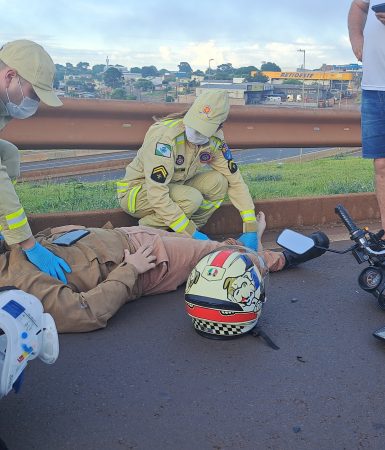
(319, 238)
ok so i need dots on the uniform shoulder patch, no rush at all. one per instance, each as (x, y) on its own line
(159, 174)
(163, 150)
(226, 151)
(232, 166)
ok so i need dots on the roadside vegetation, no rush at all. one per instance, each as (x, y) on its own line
(335, 175)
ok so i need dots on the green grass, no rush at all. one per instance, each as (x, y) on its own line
(44, 197)
(336, 175)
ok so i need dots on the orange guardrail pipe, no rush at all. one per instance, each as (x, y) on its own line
(114, 124)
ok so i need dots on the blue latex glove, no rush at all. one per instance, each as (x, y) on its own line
(48, 262)
(249, 240)
(200, 236)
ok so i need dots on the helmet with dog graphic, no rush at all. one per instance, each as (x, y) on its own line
(225, 292)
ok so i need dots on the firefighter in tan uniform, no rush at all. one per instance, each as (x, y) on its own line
(26, 77)
(163, 186)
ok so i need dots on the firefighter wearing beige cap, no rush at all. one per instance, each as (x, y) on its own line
(163, 186)
(26, 77)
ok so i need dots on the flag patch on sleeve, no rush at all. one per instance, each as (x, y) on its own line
(163, 150)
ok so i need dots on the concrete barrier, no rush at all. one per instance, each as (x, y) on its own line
(280, 213)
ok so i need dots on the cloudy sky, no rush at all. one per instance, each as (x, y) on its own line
(163, 33)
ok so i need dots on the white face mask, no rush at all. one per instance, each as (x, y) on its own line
(27, 107)
(195, 137)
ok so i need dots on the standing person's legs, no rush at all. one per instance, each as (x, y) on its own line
(373, 140)
(213, 187)
(379, 170)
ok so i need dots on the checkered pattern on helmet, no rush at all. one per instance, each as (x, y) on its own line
(222, 329)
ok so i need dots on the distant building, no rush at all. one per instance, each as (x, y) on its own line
(183, 77)
(197, 78)
(128, 76)
(239, 93)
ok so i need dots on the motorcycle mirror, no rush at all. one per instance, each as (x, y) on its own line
(295, 242)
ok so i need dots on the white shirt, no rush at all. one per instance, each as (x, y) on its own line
(373, 57)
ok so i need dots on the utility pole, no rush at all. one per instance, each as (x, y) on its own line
(211, 59)
(303, 71)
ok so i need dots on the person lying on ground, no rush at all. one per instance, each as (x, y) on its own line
(111, 267)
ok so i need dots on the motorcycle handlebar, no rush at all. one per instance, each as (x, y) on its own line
(346, 219)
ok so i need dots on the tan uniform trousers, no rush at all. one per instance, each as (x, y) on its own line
(177, 255)
(198, 198)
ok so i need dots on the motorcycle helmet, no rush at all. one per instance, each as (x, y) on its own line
(225, 292)
(26, 332)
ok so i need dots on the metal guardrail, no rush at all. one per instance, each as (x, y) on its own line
(114, 124)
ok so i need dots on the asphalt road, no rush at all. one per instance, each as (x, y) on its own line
(240, 156)
(148, 381)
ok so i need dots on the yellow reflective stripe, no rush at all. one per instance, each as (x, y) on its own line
(218, 203)
(180, 224)
(172, 122)
(248, 215)
(206, 204)
(1, 227)
(18, 224)
(131, 202)
(121, 186)
(215, 143)
(16, 219)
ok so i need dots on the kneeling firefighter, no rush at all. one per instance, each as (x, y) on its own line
(25, 333)
(161, 186)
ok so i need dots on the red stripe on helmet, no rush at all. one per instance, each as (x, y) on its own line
(221, 258)
(214, 315)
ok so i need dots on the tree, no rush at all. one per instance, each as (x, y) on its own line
(82, 66)
(97, 69)
(119, 94)
(244, 72)
(225, 68)
(270, 67)
(144, 85)
(258, 77)
(163, 71)
(70, 69)
(199, 73)
(113, 78)
(149, 71)
(59, 72)
(184, 67)
(136, 70)
(223, 76)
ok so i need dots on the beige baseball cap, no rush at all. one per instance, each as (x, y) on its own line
(208, 111)
(34, 64)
